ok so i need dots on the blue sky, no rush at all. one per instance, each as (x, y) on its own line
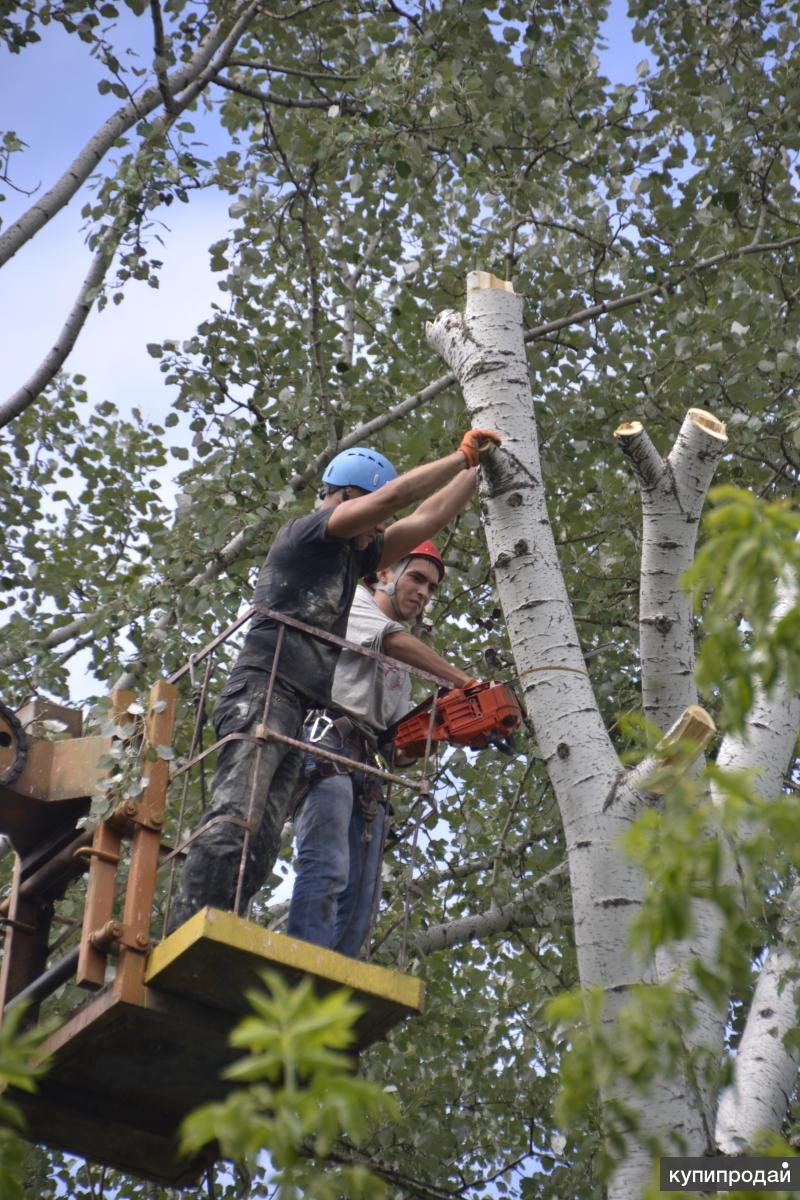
(48, 95)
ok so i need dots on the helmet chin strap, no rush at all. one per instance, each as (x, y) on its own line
(390, 589)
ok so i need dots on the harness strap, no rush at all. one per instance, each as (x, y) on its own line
(357, 742)
(361, 738)
(305, 784)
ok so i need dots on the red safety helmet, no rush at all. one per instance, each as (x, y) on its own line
(428, 550)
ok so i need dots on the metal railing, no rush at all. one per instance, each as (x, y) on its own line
(418, 785)
(119, 926)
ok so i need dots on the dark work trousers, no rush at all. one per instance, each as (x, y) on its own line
(211, 869)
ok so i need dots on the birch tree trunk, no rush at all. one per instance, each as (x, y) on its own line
(597, 799)
(765, 1074)
(486, 352)
(673, 492)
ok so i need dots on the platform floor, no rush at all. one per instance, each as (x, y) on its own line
(123, 1076)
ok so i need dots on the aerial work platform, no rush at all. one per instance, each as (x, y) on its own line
(146, 1047)
(217, 955)
(124, 1074)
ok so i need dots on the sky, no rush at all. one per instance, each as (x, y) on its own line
(48, 96)
(40, 283)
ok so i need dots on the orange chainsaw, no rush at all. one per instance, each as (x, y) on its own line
(485, 714)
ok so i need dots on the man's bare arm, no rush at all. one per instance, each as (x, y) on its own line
(431, 516)
(363, 513)
(410, 650)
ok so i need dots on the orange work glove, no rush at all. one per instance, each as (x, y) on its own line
(477, 442)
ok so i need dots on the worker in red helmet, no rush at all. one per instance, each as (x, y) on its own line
(340, 819)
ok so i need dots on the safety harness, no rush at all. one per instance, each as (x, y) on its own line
(340, 734)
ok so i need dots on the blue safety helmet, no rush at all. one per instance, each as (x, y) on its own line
(359, 467)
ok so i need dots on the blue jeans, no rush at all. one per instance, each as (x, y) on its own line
(337, 870)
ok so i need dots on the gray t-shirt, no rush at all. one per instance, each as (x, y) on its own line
(372, 692)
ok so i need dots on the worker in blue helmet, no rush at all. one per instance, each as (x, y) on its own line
(310, 575)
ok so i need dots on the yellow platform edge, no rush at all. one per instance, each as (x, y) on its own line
(283, 951)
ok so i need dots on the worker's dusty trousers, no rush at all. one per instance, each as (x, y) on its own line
(211, 870)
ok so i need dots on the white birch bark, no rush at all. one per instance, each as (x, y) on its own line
(534, 908)
(673, 492)
(765, 1073)
(485, 350)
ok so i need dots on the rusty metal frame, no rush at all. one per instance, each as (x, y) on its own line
(26, 934)
(251, 804)
(146, 846)
(101, 886)
(420, 787)
(105, 852)
(320, 635)
(318, 751)
(197, 734)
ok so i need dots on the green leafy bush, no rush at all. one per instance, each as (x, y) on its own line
(299, 1094)
(20, 1067)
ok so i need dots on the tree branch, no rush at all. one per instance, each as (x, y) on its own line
(18, 401)
(273, 67)
(324, 102)
(217, 45)
(673, 493)
(315, 314)
(52, 363)
(527, 911)
(159, 51)
(414, 1188)
(65, 633)
(462, 870)
(611, 306)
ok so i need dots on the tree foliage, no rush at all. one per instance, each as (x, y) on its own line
(752, 547)
(20, 1067)
(374, 154)
(297, 1093)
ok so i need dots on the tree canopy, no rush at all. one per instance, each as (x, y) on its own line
(377, 153)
